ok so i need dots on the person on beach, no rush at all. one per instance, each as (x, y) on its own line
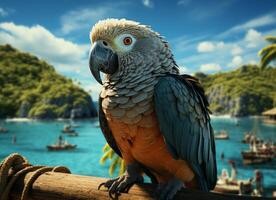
(234, 172)
(259, 183)
(60, 140)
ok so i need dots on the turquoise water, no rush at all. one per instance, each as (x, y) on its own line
(33, 136)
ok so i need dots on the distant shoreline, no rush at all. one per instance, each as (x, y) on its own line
(68, 119)
(230, 116)
(32, 119)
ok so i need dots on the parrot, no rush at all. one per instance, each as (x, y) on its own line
(154, 118)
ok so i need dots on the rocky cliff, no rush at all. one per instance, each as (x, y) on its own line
(248, 90)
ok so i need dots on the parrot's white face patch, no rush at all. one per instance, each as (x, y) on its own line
(124, 42)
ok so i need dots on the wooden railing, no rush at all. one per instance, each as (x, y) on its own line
(62, 186)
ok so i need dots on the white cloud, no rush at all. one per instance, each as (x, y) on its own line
(257, 22)
(205, 47)
(148, 3)
(186, 43)
(208, 46)
(253, 38)
(210, 67)
(264, 20)
(64, 54)
(3, 12)
(85, 18)
(220, 45)
(236, 50)
(244, 44)
(237, 61)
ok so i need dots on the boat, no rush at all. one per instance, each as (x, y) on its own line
(222, 135)
(60, 145)
(256, 157)
(74, 134)
(68, 129)
(57, 147)
(259, 152)
(267, 149)
(233, 187)
(3, 130)
(230, 184)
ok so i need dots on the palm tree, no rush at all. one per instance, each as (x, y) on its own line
(116, 161)
(268, 53)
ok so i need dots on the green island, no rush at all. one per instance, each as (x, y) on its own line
(248, 90)
(31, 88)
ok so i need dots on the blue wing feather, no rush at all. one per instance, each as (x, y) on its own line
(182, 111)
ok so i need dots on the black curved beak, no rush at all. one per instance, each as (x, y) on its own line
(102, 58)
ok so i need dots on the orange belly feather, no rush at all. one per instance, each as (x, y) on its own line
(144, 143)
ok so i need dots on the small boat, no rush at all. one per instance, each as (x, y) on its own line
(3, 130)
(230, 184)
(258, 157)
(222, 135)
(60, 145)
(233, 187)
(57, 147)
(74, 134)
(259, 153)
(256, 160)
(267, 149)
(68, 129)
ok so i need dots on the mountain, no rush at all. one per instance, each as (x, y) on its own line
(248, 90)
(29, 87)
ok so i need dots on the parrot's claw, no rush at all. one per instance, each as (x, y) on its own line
(121, 184)
(108, 183)
(167, 191)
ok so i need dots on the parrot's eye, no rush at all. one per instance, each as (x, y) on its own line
(124, 42)
(127, 41)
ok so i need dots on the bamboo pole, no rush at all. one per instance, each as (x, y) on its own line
(61, 186)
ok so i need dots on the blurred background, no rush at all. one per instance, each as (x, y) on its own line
(48, 98)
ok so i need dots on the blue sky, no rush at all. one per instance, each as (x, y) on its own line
(208, 36)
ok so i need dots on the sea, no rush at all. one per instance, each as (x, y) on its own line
(32, 137)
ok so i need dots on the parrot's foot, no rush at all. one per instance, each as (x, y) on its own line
(167, 191)
(123, 183)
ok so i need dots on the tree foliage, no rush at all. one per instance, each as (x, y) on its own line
(116, 161)
(29, 87)
(248, 90)
(268, 53)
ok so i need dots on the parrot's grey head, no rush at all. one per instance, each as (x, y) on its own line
(120, 46)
